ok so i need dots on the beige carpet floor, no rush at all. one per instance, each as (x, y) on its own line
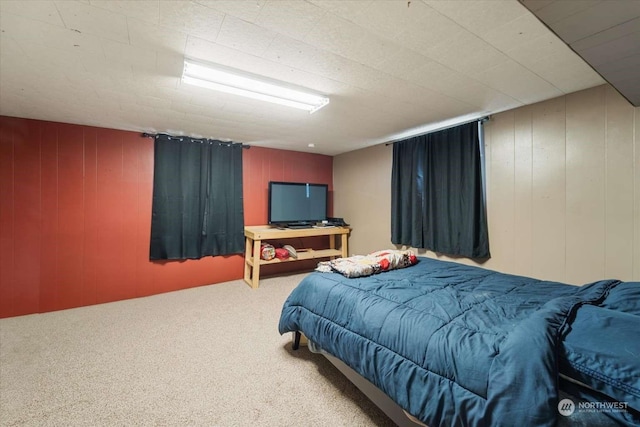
(207, 356)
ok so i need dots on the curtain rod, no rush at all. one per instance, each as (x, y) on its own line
(479, 119)
(179, 138)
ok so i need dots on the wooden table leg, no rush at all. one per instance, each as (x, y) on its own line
(248, 245)
(332, 244)
(255, 280)
(345, 251)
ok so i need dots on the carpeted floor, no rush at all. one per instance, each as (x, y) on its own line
(208, 356)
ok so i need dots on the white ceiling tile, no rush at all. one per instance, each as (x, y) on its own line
(244, 36)
(145, 84)
(205, 50)
(466, 53)
(247, 10)
(484, 98)
(145, 35)
(433, 75)
(291, 18)
(170, 64)
(93, 20)
(531, 50)
(289, 51)
(106, 95)
(336, 35)
(373, 50)
(480, 16)
(43, 11)
(349, 10)
(552, 60)
(23, 29)
(146, 10)
(402, 63)
(191, 18)
(389, 19)
(126, 54)
(568, 73)
(518, 82)
(513, 34)
(9, 46)
(49, 57)
(35, 37)
(108, 70)
(433, 29)
(426, 99)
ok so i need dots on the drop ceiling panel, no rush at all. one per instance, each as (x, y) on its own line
(43, 11)
(291, 18)
(388, 66)
(516, 33)
(146, 10)
(191, 18)
(391, 21)
(244, 36)
(103, 23)
(146, 35)
(466, 53)
(517, 82)
(437, 34)
(479, 16)
(247, 10)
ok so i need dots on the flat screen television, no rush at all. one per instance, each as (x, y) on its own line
(297, 204)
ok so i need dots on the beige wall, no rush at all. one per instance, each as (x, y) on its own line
(563, 190)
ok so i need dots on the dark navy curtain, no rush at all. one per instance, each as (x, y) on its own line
(197, 199)
(437, 199)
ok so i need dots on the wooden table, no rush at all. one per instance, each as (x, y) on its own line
(256, 234)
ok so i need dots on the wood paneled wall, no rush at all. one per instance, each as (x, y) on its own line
(75, 215)
(563, 190)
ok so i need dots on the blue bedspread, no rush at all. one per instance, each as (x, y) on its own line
(600, 350)
(451, 344)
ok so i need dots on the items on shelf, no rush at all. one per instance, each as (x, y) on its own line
(267, 252)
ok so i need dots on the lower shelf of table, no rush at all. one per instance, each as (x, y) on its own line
(302, 255)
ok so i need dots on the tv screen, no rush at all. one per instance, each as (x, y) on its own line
(297, 203)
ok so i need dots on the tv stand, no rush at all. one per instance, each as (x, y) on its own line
(255, 235)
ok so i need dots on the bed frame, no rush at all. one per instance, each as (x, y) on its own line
(373, 393)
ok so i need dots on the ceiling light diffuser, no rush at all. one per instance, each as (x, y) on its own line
(235, 82)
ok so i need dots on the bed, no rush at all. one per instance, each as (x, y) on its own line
(450, 344)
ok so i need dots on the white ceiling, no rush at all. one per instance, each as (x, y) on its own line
(389, 67)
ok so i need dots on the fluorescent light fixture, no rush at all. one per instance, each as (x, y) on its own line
(235, 82)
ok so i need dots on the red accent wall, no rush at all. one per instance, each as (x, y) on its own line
(75, 215)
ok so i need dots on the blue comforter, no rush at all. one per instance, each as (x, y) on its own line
(600, 351)
(451, 344)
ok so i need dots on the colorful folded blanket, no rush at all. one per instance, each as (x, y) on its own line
(366, 265)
